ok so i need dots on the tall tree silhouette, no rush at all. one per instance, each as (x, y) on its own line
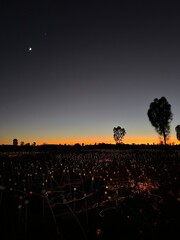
(160, 116)
(177, 129)
(119, 133)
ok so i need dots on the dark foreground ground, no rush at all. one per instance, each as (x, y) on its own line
(135, 219)
(123, 195)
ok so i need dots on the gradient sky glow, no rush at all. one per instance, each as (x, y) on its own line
(93, 66)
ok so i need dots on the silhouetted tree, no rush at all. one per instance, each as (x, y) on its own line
(160, 116)
(119, 133)
(34, 144)
(177, 129)
(15, 142)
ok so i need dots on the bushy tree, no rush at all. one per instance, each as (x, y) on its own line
(118, 134)
(15, 142)
(160, 116)
(177, 129)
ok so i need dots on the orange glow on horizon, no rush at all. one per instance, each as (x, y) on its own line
(92, 141)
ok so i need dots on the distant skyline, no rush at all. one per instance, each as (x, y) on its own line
(71, 71)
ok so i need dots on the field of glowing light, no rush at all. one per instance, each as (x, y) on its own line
(89, 195)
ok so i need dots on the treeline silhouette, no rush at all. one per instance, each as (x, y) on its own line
(78, 147)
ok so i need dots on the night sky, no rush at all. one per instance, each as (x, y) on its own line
(71, 71)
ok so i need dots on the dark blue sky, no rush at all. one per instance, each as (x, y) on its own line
(93, 66)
